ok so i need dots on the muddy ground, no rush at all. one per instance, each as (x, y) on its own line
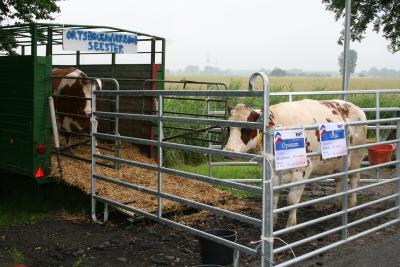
(79, 242)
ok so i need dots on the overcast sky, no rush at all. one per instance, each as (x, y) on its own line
(235, 34)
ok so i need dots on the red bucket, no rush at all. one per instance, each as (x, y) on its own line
(380, 154)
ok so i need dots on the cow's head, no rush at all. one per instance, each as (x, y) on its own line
(242, 139)
(87, 88)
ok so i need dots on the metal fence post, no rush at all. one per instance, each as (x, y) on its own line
(93, 122)
(160, 153)
(398, 167)
(267, 249)
(377, 130)
(345, 165)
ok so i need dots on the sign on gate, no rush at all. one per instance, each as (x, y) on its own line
(93, 41)
(333, 140)
(290, 151)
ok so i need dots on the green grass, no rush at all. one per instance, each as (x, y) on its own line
(23, 201)
(16, 256)
(223, 172)
(294, 83)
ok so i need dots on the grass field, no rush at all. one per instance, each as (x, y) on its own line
(22, 200)
(301, 83)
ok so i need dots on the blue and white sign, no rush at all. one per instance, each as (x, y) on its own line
(290, 150)
(333, 140)
(93, 41)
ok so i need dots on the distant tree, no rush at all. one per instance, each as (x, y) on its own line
(23, 11)
(278, 72)
(211, 70)
(383, 15)
(352, 61)
(192, 69)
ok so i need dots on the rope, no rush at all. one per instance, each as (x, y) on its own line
(271, 240)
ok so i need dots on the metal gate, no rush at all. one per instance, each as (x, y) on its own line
(265, 247)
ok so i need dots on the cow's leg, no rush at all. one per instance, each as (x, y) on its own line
(339, 189)
(66, 124)
(293, 198)
(354, 179)
(77, 125)
(276, 200)
(296, 192)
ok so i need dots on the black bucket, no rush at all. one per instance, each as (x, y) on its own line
(214, 253)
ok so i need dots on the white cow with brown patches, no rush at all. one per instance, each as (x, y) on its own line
(304, 112)
(79, 87)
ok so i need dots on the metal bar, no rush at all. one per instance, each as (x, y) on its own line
(160, 154)
(49, 46)
(333, 230)
(346, 67)
(153, 93)
(336, 244)
(235, 163)
(33, 29)
(374, 144)
(55, 135)
(212, 180)
(324, 177)
(181, 200)
(196, 149)
(192, 176)
(242, 93)
(251, 125)
(385, 109)
(245, 180)
(330, 216)
(345, 184)
(313, 201)
(336, 92)
(93, 164)
(73, 115)
(127, 162)
(382, 127)
(184, 82)
(193, 99)
(398, 167)
(194, 114)
(351, 123)
(267, 187)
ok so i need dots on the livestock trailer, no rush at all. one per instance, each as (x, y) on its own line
(28, 52)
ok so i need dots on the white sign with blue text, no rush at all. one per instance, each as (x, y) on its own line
(333, 139)
(93, 41)
(290, 151)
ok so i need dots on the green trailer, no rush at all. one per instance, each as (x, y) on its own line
(25, 86)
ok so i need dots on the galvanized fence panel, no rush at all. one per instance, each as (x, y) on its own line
(268, 251)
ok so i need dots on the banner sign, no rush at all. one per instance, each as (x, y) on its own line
(290, 150)
(333, 140)
(92, 41)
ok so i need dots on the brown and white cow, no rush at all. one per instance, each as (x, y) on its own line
(79, 88)
(304, 112)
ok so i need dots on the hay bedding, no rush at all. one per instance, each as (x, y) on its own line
(77, 173)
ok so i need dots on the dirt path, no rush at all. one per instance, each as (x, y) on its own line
(80, 242)
(381, 248)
